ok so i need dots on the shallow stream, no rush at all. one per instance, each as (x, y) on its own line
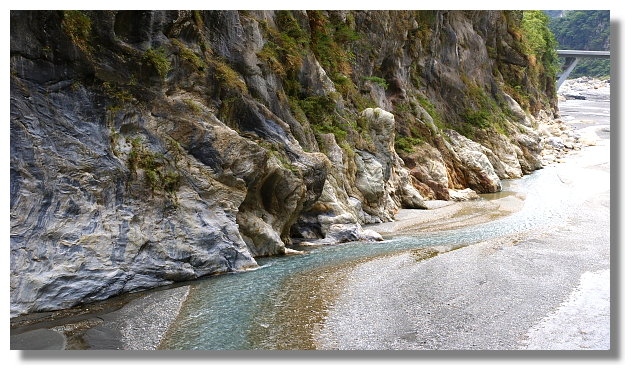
(234, 311)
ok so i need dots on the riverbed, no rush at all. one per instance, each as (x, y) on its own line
(546, 288)
(526, 268)
(436, 283)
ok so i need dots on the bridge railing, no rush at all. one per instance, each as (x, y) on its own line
(572, 56)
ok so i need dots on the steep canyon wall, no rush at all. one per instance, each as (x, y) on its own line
(149, 147)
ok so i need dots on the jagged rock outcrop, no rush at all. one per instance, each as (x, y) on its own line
(378, 184)
(149, 147)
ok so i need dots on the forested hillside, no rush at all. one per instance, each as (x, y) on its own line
(586, 30)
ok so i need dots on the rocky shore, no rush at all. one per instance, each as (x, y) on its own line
(584, 88)
(135, 322)
(154, 147)
(527, 291)
(139, 321)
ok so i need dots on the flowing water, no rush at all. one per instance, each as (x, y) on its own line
(235, 311)
(226, 312)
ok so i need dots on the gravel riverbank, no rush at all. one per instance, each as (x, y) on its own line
(131, 322)
(513, 292)
(543, 290)
(491, 295)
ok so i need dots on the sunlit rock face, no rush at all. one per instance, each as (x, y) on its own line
(149, 147)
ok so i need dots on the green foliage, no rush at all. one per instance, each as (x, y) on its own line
(226, 111)
(275, 150)
(317, 109)
(158, 58)
(188, 55)
(348, 149)
(421, 35)
(343, 33)
(290, 27)
(158, 175)
(194, 106)
(432, 111)
(77, 26)
(415, 130)
(484, 112)
(480, 118)
(228, 77)
(198, 19)
(378, 80)
(117, 94)
(328, 42)
(284, 49)
(539, 42)
(406, 144)
(338, 130)
(269, 54)
(320, 112)
(343, 81)
(519, 94)
(582, 29)
(585, 30)
(426, 18)
(598, 68)
(349, 91)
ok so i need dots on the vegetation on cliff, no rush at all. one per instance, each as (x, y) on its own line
(186, 143)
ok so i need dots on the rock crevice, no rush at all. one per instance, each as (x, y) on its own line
(150, 147)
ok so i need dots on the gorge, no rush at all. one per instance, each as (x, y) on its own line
(153, 147)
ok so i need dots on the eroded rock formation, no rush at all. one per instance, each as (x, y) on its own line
(149, 147)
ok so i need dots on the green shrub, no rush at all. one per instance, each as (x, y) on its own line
(284, 49)
(539, 41)
(288, 25)
(406, 144)
(118, 95)
(344, 34)
(194, 106)
(320, 112)
(479, 118)
(159, 176)
(338, 130)
(328, 42)
(378, 80)
(318, 109)
(77, 26)
(188, 55)
(269, 54)
(158, 58)
(228, 77)
(432, 110)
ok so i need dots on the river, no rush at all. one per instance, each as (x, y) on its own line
(526, 268)
(520, 281)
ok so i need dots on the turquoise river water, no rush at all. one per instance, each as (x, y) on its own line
(223, 312)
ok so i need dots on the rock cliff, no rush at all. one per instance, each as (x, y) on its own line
(149, 147)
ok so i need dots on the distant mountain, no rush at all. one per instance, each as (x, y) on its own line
(586, 30)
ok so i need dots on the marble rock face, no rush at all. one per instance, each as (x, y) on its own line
(150, 147)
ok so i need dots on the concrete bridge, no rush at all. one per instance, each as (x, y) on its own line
(571, 60)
